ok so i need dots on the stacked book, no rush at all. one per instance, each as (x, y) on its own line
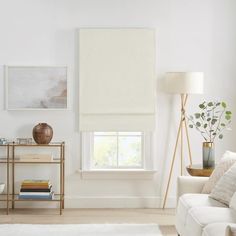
(36, 189)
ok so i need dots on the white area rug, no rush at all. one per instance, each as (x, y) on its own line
(80, 230)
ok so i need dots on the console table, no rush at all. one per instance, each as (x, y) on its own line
(11, 163)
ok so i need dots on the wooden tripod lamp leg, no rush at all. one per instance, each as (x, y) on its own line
(189, 148)
(186, 129)
(172, 163)
(184, 98)
(181, 137)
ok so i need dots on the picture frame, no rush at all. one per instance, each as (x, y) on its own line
(24, 140)
(36, 87)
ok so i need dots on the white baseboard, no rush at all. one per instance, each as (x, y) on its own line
(117, 202)
(102, 202)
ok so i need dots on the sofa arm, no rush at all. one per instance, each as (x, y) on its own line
(189, 184)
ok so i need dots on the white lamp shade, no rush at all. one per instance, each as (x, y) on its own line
(184, 82)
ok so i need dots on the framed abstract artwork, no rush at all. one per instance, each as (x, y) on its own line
(36, 87)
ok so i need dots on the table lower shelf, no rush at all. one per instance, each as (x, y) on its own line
(3, 198)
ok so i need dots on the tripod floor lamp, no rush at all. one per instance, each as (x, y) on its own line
(183, 83)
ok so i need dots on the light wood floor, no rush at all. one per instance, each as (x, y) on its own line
(164, 218)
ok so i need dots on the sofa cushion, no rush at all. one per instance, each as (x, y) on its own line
(199, 217)
(187, 201)
(225, 187)
(228, 159)
(217, 229)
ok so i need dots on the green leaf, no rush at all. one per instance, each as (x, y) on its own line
(223, 104)
(222, 124)
(197, 115)
(208, 119)
(205, 125)
(228, 112)
(227, 117)
(198, 124)
(202, 106)
(214, 134)
(213, 121)
(191, 126)
(221, 136)
(218, 103)
(210, 104)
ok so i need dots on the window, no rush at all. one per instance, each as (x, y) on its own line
(116, 150)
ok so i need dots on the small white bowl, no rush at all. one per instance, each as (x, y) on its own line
(2, 186)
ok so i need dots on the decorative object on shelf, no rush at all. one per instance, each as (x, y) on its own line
(24, 140)
(2, 187)
(3, 141)
(36, 189)
(36, 87)
(211, 120)
(183, 83)
(36, 157)
(208, 155)
(42, 133)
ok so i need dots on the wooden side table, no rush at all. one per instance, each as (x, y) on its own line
(198, 170)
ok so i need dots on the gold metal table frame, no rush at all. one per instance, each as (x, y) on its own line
(10, 161)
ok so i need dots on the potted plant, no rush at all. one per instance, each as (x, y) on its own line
(211, 120)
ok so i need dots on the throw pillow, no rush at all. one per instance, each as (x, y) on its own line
(225, 187)
(232, 203)
(228, 159)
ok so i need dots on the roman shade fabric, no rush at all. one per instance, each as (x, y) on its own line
(117, 79)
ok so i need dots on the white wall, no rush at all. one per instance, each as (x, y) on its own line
(194, 35)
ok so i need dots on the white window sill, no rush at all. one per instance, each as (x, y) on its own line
(117, 174)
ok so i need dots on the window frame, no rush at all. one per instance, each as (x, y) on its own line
(87, 139)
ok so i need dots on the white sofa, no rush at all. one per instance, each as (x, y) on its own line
(197, 214)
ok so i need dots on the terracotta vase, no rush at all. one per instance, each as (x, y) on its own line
(42, 133)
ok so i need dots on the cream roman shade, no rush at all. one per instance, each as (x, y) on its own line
(116, 79)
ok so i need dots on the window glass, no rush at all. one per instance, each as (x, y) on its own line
(117, 150)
